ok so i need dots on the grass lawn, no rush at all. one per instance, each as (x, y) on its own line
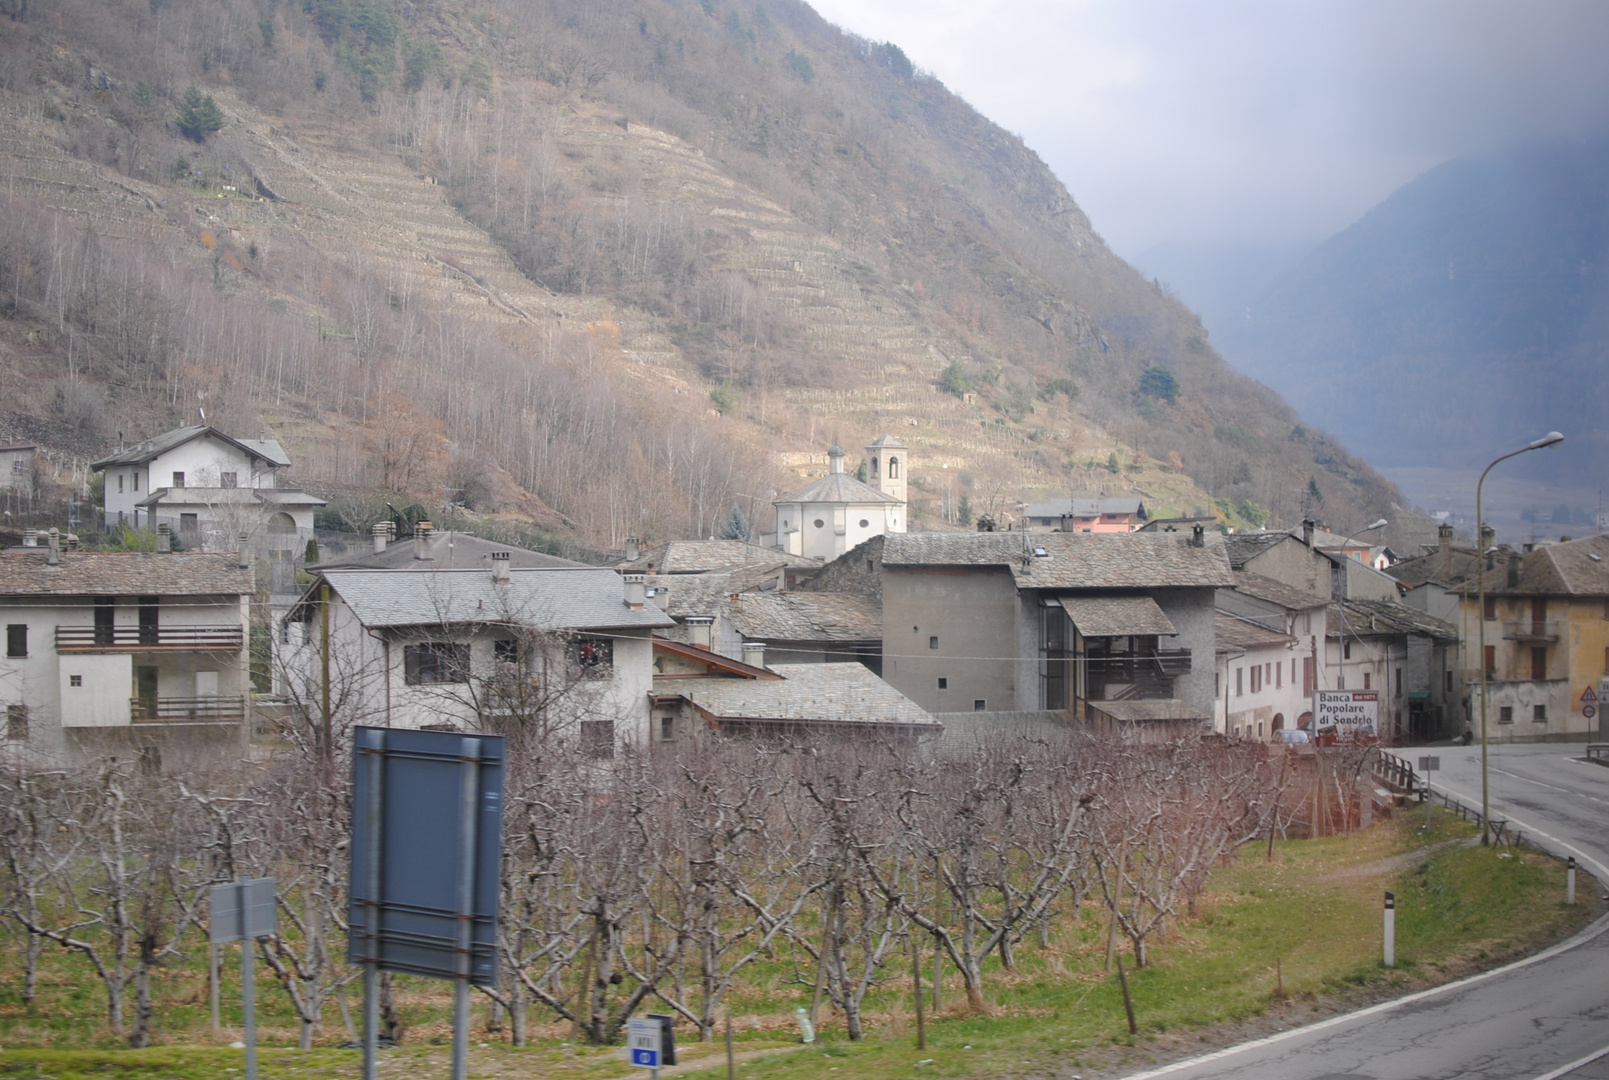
(1297, 935)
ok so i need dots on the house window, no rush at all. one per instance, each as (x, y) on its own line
(1367, 681)
(506, 650)
(1307, 624)
(1279, 675)
(120, 483)
(1240, 682)
(75, 680)
(598, 738)
(864, 523)
(978, 704)
(1309, 675)
(667, 729)
(1346, 650)
(1505, 715)
(1256, 678)
(933, 642)
(1539, 663)
(819, 523)
(435, 662)
(17, 640)
(594, 656)
(1539, 713)
(178, 480)
(228, 479)
(136, 479)
(1450, 677)
(874, 468)
(17, 723)
(1490, 610)
(944, 684)
(1399, 682)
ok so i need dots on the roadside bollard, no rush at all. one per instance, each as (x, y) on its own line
(1391, 930)
(1569, 879)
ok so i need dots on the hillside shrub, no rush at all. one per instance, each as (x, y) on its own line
(1158, 382)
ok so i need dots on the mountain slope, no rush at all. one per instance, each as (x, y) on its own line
(611, 266)
(1467, 313)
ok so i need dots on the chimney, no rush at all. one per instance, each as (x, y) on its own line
(380, 535)
(698, 630)
(835, 460)
(636, 590)
(782, 578)
(164, 537)
(1514, 558)
(1307, 532)
(754, 653)
(424, 541)
(72, 541)
(30, 538)
(1444, 544)
(54, 557)
(243, 556)
(500, 561)
(633, 549)
(1198, 535)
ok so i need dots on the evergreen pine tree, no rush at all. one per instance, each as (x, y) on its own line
(198, 116)
(736, 526)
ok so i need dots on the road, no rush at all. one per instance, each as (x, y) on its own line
(1543, 1018)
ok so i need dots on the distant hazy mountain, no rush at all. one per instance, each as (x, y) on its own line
(1467, 313)
(1219, 280)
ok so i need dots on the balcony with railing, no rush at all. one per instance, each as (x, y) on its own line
(1136, 677)
(133, 638)
(188, 710)
(1541, 630)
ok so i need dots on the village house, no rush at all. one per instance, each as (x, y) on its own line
(1105, 627)
(208, 488)
(480, 649)
(17, 468)
(696, 690)
(141, 652)
(837, 512)
(1268, 654)
(1075, 514)
(1546, 619)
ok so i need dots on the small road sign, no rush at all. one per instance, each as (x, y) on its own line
(244, 911)
(642, 1037)
(1589, 711)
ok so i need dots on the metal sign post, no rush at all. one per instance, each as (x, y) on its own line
(427, 833)
(1391, 930)
(1428, 765)
(244, 911)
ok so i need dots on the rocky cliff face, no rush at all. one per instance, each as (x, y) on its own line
(610, 266)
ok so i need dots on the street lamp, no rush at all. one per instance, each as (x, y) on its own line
(1552, 438)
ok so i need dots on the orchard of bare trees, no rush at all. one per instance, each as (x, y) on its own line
(670, 881)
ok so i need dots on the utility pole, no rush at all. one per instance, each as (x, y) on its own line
(326, 732)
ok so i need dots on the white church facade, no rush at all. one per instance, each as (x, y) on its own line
(827, 517)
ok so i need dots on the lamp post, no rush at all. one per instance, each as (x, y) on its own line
(1552, 438)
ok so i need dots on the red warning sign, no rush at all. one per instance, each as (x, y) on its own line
(1589, 696)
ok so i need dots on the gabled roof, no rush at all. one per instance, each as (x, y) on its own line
(1433, 567)
(1244, 547)
(1133, 560)
(1237, 632)
(837, 488)
(1084, 507)
(886, 440)
(840, 695)
(267, 450)
(1372, 617)
(1277, 592)
(547, 599)
(1117, 616)
(24, 572)
(449, 551)
(1574, 568)
(710, 556)
(790, 616)
(714, 663)
(705, 594)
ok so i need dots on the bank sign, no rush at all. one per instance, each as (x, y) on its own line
(1352, 712)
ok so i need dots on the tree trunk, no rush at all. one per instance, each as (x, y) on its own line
(516, 1013)
(140, 1037)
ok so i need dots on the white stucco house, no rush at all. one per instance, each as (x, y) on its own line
(478, 649)
(837, 512)
(208, 488)
(111, 651)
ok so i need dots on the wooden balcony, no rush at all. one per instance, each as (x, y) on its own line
(131, 638)
(190, 710)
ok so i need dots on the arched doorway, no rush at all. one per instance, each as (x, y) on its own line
(1279, 722)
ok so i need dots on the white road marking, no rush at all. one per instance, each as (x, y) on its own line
(1550, 787)
(1582, 938)
(1566, 1070)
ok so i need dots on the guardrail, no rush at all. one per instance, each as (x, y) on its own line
(134, 638)
(193, 710)
(1399, 767)
(1531, 630)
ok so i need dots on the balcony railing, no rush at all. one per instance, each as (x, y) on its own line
(191, 710)
(133, 638)
(1531, 630)
(1166, 663)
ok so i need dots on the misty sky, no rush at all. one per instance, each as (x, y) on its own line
(1253, 120)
